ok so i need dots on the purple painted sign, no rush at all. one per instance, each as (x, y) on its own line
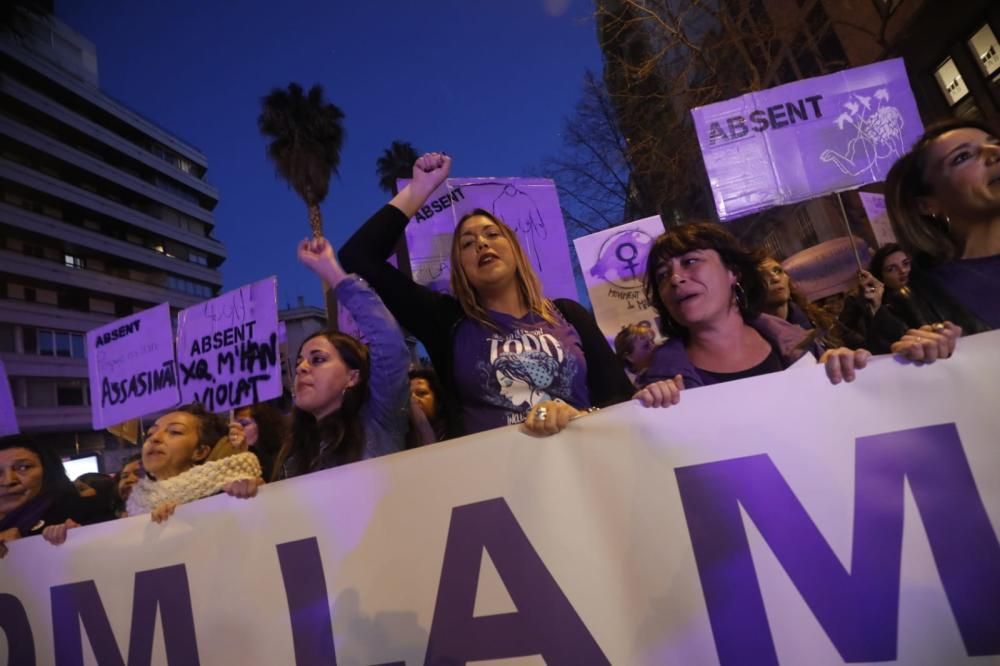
(530, 206)
(131, 367)
(227, 348)
(807, 138)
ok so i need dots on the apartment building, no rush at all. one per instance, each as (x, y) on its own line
(102, 214)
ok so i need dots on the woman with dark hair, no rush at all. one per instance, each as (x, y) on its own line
(259, 428)
(943, 199)
(175, 459)
(428, 421)
(497, 309)
(35, 493)
(709, 294)
(351, 400)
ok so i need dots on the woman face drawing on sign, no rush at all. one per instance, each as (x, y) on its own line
(524, 378)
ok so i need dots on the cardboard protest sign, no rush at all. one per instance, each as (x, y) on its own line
(878, 217)
(227, 348)
(613, 262)
(8, 419)
(806, 138)
(529, 206)
(130, 363)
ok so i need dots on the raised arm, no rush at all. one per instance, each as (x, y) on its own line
(418, 309)
(389, 384)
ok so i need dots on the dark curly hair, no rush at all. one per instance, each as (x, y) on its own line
(705, 236)
(876, 265)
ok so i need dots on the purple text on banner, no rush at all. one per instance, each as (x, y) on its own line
(130, 363)
(529, 206)
(8, 420)
(227, 348)
(613, 262)
(807, 138)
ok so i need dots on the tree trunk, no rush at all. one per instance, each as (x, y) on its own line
(329, 296)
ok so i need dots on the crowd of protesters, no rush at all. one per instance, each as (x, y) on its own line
(504, 354)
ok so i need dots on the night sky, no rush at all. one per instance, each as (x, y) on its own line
(487, 82)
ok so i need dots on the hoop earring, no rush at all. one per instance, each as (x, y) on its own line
(741, 296)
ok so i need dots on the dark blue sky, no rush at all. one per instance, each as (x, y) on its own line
(488, 82)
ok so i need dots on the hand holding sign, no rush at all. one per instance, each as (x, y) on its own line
(317, 255)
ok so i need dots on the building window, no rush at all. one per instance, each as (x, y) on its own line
(772, 245)
(34, 251)
(197, 258)
(188, 287)
(986, 50)
(46, 342)
(951, 83)
(71, 394)
(73, 262)
(806, 230)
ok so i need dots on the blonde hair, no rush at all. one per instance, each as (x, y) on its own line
(528, 285)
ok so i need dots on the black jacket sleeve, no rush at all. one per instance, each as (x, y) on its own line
(606, 378)
(425, 313)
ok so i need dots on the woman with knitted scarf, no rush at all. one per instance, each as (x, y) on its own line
(174, 458)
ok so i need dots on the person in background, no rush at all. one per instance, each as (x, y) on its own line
(128, 476)
(486, 340)
(634, 347)
(784, 301)
(943, 199)
(36, 494)
(260, 429)
(351, 400)
(428, 423)
(709, 293)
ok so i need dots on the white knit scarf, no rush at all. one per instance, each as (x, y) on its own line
(199, 481)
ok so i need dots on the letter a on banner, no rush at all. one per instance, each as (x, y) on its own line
(130, 363)
(227, 348)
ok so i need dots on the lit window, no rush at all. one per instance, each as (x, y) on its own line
(73, 262)
(950, 81)
(986, 50)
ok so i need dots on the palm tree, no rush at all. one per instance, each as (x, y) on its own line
(396, 162)
(306, 135)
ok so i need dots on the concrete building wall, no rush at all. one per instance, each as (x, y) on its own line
(102, 214)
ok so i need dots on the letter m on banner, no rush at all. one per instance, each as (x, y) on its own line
(858, 609)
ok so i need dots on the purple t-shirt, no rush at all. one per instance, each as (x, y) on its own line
(501, 374)
(975, 284)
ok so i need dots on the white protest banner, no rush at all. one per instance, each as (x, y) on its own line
(529, 206)
(807, 138)
(8, 419)
(130, 363)
(613, 262)
(227, 348)
(774, 520)
(878, 217)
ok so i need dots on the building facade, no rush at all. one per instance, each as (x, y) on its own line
(102, 214)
